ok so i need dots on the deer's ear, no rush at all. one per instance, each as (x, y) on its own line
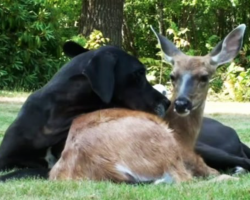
(227, 49)
(168, 48)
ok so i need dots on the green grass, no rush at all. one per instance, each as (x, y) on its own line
(196, 190)
(8, 112)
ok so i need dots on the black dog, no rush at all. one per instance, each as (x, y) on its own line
(221, 148)
(103, 78)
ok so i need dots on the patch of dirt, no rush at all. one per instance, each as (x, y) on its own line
(12, 99)
(227, 107)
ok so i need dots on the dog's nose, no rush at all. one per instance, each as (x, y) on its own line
(182, 105)
(162, 107)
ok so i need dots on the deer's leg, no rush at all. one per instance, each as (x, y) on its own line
(196, 165)
(200, 169)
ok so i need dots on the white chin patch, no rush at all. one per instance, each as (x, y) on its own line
(186, 113)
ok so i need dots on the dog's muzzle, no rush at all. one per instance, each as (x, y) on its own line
(162, 107)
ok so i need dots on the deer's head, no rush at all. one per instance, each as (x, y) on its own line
(191, 74)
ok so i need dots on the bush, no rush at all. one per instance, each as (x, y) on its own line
(30, 44)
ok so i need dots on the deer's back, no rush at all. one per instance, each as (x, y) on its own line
(120, 145)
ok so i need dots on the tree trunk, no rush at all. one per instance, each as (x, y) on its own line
(128, 39)
(105, 16)
(160, 12)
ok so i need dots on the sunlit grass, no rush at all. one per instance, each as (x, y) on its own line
(16, 94)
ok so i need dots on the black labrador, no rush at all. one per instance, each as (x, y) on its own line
(92, 80)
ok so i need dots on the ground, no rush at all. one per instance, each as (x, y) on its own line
(227, 107)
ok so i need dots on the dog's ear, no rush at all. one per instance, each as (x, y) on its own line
(100, 72)
(72, 49)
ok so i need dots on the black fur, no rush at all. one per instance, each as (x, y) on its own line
(71, 49)
(221, 148)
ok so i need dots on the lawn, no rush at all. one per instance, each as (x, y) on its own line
(198, 189)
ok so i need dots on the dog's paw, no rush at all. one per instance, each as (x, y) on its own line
(50, 158)
(239, 170)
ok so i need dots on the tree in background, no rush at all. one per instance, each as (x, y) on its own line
(30, 44)
(105, 16)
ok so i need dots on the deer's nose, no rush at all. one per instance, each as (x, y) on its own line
(182, 105)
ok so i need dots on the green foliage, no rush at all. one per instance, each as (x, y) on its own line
(30, 44)
(96, 40)
(178, 35)
(157, 70)
(79, 39)
(31, 38)
(238, 82)
(217, 84)
(194, 26)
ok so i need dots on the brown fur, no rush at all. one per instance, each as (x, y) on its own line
(100, 141)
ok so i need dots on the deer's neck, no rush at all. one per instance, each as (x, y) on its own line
(186, 128)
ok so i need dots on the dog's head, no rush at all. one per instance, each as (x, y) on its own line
(119, 79)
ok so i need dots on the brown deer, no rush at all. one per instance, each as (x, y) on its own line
(133, 146)
(122, 146)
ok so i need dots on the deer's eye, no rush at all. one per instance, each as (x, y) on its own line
(172, 77)
(204, 78)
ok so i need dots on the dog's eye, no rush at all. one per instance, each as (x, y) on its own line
(141, 72)
(138, 77)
